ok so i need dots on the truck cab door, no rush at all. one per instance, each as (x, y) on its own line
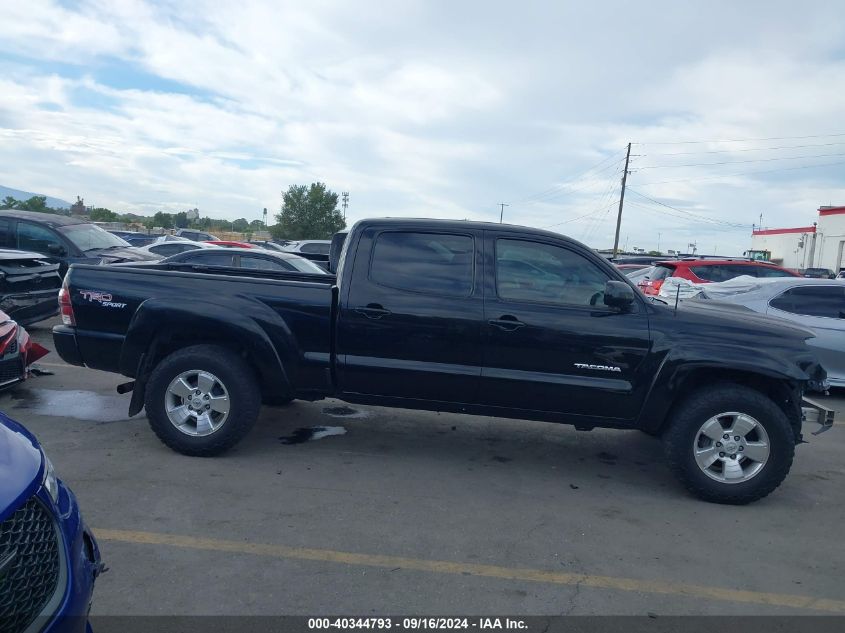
(409, 323)
(550, 343)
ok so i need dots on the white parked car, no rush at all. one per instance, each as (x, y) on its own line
(817, 304)
(168, 245)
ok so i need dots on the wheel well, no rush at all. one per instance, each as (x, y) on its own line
(166, 344)
(784, 393)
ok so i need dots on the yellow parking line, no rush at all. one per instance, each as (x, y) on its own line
(472, 569)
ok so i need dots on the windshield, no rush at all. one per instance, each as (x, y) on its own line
(305, 265)
(87, 237)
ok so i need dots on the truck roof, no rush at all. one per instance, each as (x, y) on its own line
(50, 219)
(424, 223)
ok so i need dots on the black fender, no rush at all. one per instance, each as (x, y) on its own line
(160, 326)
(686, 367)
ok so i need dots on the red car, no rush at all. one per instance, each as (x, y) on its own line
(702, 271)
(17, 351)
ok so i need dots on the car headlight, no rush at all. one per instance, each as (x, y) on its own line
(50, 482)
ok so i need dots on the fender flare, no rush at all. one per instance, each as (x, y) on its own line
(679, 366)
(159, 324)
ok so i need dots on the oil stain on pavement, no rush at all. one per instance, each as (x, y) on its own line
(311, 433)
(78, 404)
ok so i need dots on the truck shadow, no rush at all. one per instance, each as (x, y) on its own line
(493, 447)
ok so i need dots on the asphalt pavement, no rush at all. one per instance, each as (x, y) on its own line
(400, 512)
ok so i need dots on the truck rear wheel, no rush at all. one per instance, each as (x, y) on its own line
(729, 444)
(202, 400)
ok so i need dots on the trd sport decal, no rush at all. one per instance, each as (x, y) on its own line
(103, 298)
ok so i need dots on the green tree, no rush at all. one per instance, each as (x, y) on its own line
(36, 203)
(256, 225)
(101, 214)
(9, 203)
(162, 219)
(240, 225)
(180, 220)
(308, 213)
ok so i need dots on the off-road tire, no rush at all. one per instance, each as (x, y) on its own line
(240, 382)
(688, 417)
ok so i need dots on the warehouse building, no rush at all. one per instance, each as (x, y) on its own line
(821, 245)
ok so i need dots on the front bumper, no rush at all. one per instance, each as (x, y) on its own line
(82, 563)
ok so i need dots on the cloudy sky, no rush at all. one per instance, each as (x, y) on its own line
(436, 108)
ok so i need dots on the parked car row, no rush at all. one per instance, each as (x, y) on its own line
(36, 250)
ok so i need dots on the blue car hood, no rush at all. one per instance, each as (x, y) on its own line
(20, 465)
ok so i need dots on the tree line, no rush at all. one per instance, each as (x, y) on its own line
(307, 212)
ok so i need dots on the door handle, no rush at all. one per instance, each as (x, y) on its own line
(373, 311)
(508, 323)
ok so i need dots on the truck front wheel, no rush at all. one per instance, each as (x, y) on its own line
(729, 444)
(202, 400)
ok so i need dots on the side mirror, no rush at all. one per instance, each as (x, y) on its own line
(618, 294)
(56, 249)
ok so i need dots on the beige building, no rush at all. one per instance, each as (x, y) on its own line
(821, 245)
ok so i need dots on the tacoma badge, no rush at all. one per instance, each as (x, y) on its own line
(598, 367)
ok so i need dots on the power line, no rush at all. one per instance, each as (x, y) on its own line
(690, 213)
(713, 227)
(561, 186)
(737, 162)
(744, 149)
(742, 173)
(580, 217)
(743, 140)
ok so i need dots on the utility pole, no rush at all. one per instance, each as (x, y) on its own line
(502, 213)
(345, 196)
(621, 201)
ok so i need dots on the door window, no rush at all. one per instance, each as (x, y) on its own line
(544, 273)
(433, 263)
(210, 259)
(316, 248)
(818, 301)
(768, 271)
(261, 263)
(32, 237)
(171, 248)
(6, 234)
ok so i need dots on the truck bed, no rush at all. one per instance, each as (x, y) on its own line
(120, 309)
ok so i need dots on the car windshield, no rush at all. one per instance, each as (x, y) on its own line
(88, 237)
(305, 265)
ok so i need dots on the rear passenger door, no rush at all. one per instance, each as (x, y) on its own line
(409, 323)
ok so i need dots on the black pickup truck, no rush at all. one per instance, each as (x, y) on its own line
(466, 317)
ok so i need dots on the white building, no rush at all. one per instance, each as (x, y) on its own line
(821, 245)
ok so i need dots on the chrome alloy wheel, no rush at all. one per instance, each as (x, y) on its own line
(197, 403)
(731, 447)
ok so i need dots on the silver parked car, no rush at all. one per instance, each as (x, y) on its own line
(817, 304)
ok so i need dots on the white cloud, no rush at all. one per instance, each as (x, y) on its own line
(428, 108)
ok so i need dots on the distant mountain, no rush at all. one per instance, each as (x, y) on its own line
(17, 194)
